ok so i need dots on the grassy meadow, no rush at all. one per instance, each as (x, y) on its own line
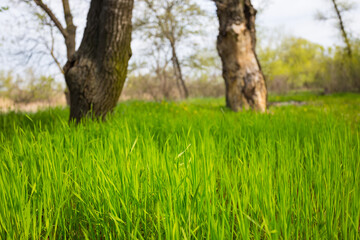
(184, 170)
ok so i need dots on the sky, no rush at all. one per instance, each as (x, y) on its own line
(288, 17)
(297, 17)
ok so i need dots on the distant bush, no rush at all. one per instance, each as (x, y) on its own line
(300, 64)
(28, 89)
(207, 86)
(294, 64)
(151, 87)
(340, 72)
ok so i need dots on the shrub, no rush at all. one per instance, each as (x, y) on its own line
(28, 89)
(151, 87)
(341, 73)
(299, 64)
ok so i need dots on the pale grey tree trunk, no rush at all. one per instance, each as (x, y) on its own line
(245, 84)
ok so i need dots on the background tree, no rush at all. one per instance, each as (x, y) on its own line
(342, 72)
(152, 78)
(245, 84)
(168, 23)
(340, 7)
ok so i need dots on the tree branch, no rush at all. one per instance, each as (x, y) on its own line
(67, 13)
(70, 30)
(342, 28)
(51, 50)
(52, 16)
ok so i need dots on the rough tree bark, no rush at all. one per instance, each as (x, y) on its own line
(245, 84)
(96, 73)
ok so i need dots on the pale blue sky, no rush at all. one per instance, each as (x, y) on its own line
(297, 17)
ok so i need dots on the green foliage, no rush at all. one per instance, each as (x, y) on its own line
(29, 89)
(297, 63)
(341, 73)
(188, 170)
(301, 60)
(295, 59)
(3, 9)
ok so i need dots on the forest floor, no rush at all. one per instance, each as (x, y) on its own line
(184, 170)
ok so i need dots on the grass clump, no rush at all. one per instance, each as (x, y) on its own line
(188, 170)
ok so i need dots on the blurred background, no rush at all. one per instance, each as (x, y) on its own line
(302, 46)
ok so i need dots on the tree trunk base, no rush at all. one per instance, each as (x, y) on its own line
(97, 71)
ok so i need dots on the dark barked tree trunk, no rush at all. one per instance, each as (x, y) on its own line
(245, 84)
(96, 73)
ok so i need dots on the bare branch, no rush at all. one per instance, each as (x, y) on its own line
(342, 28)
(67, 13)
(51, 50)
(70, 30)
(52, 16)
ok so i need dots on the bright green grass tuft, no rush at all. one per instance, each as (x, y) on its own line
(189, 170)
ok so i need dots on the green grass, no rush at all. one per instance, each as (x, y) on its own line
(188, 170)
